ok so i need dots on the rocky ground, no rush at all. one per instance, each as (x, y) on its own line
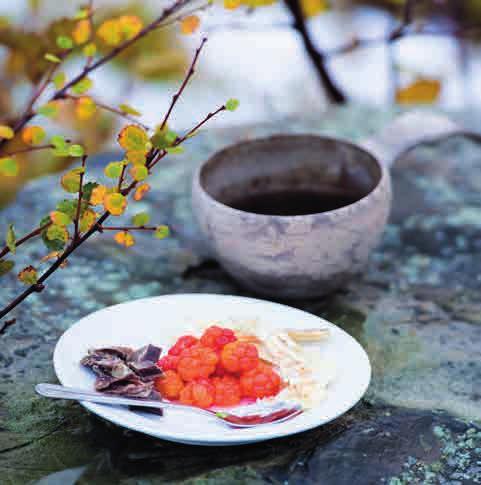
(416, 310)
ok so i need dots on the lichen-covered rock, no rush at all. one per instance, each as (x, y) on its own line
(416, 310)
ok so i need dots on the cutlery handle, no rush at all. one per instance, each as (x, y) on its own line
(63, 392)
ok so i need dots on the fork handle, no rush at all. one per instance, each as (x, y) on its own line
(64, 392)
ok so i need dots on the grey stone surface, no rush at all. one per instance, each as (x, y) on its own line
(416, 310)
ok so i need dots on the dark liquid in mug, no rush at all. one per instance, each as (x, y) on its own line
(292, 202)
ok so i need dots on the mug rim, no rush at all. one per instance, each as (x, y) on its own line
(340, 210)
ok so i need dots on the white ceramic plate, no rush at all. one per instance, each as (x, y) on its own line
(159, 320)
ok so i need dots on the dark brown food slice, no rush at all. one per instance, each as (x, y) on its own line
(130, 387)
(144, 362)
(123, 371)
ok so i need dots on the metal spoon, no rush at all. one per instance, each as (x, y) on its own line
(248, 416)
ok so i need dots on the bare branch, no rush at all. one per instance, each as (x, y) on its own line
(187, 77)
(317, 57)
(6, 324)
(79, 203)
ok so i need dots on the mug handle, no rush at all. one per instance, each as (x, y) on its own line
(411, 129)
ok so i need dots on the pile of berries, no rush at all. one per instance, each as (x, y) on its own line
(216, 369)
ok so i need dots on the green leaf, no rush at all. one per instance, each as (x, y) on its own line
(87, 190)
(69, 206)
(52, 58)
(163, 139)
(139, 172)
(82, 13)
(9, 167)
(82, 86)
(59, 80)
(6, 132)
(127, 109)
(232, 104)
(161, 232)
(76, 151)
(140, 219)
(58, 141)
(70, 181)
(11, 238)
(5, 266)
(57, 232)
(64, 42)
(114, 169)
(60, 218)
(175, 150)
(49, 110)
(52, 245)
(61, 146)
(133, 138)
(89, 50)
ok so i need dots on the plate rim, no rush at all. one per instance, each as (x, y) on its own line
(104, 412)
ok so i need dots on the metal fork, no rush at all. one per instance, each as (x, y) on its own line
(249, 416)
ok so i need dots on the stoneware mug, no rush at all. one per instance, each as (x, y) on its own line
(309, 255)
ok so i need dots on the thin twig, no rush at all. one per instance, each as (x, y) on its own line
(6, 324)
(121, 178)
(200, 123)
(27, 150)
(127, 228)
(184, 14)
(91, 25)
(25, 238)
(79, 203)
(187, 77)
(111, 109)
(318, 59)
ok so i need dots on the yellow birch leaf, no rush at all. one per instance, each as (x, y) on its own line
(136, 157)
(71, 180)
(189, 24)
(139, 172)
(82, 31)
(258, 3)
(6, 132)
(140, 191)
(98, 194)
(56, 232)
(109, 31)
(87, 220)
(60, 218)
(124, 238)
(85, 108)
(89, 49)
(33, 135)
(311, 8)
(127, 109)
(9, 167)
(49, 256)
(28, 275)
(130, 26)
(115, 203)
(133, 138)
(232, 4)
(421, 91)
